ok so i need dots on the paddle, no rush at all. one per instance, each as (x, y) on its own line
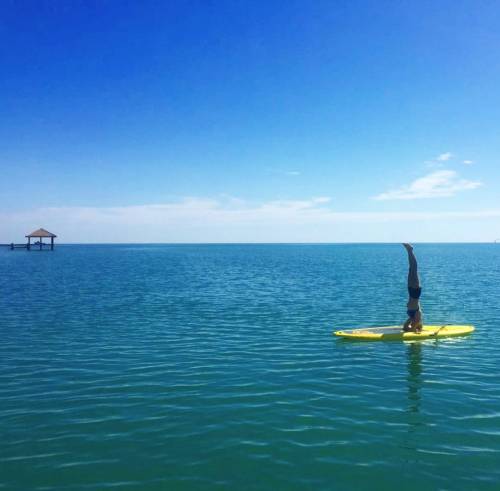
(437, 332)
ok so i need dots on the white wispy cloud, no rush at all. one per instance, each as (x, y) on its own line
(444, 157)
(322, 199)
(438, 184)
(468, 162)
(292, 173)
(439, 161)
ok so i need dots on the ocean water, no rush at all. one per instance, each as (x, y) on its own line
(213, 367)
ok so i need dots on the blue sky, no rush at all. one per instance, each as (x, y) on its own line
(250, 121)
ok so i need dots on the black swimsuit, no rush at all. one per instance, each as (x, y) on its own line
(415, 294)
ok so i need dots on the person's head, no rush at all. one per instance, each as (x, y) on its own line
(414, 322)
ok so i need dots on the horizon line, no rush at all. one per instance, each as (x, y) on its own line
(272, 243)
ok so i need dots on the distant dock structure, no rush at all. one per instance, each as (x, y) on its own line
(39, 234)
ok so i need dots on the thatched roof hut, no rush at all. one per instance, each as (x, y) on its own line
(40, 233)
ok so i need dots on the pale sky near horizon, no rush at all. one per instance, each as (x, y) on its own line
(239, 121)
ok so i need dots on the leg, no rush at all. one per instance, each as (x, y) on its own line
(413, 280)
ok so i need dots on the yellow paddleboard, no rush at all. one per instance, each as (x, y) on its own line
(395, 333)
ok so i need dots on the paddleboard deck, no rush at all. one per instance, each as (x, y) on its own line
(395, 333)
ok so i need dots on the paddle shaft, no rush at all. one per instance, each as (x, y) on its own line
(437, 332)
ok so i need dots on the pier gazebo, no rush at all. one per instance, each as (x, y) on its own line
(41, 234)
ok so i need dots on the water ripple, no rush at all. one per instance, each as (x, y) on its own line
(213, 367)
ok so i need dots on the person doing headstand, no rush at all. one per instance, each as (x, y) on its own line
(414, 321)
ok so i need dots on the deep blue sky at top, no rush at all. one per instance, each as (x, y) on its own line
(122, 103)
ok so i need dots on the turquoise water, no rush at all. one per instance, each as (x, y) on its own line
(183, 367)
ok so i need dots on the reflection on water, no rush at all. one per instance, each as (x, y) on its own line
(414, 417)
(414, 377)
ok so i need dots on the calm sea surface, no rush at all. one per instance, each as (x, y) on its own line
(212, 367)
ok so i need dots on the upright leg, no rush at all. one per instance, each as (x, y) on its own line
(413, 279)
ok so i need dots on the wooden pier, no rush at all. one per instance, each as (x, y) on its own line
(19, 246)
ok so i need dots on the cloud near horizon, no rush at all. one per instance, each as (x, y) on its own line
(437, 184)
(219, 220)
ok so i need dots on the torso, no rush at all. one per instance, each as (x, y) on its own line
(413, 304)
